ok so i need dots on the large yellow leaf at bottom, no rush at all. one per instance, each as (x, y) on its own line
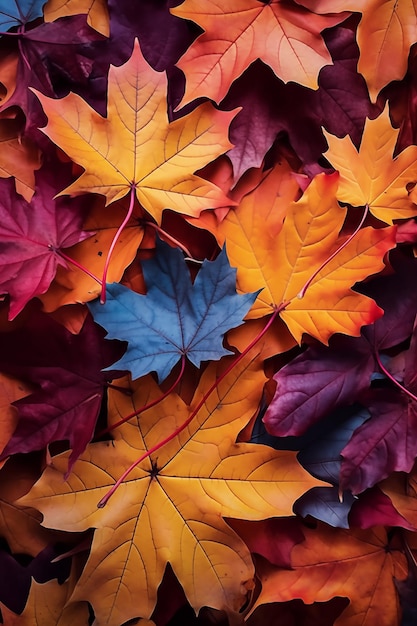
(136, 145)
(171, 507)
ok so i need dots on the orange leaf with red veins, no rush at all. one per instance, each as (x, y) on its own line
(332, 562)
(237, 32)
(386, 32)
(136, 145)
(371, 175)
(171, 506)
(282, 261)
(96, 10)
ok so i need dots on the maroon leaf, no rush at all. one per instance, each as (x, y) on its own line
(374, 508)
(385, 443)
(31, 236)
(316, 382)
(68, 370)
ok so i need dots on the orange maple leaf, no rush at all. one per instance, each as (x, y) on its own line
(386, 32)
(171, 506)
(237, 32)
(280, 259)
(135, 146)
(331, 562)
(371, 175)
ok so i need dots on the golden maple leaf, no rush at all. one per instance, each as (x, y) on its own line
(371, 175)
(281, 258)
(237, 32)
(135, 146)
(171, 507)
(386, 32)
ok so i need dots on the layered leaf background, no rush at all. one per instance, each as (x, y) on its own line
(208, 279)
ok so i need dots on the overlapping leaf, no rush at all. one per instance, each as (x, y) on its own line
(386, 32)
(372, 176)
(308, 237)
(19, 12)
(71, 383)
(237, 32)
(334, 562)
(136, 147)
(31, 238)
(172, 505)
(175, 317)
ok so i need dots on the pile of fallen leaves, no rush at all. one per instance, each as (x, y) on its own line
(208, 349)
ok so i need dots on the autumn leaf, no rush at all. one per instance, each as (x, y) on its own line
(96, 11)
(19, 12)
(171, 508)
(176, 317)
(237, 32)
(32, 236)
(71, 383)
(158, 158)
(335, 562)
(307, 238)
(371, 176)
(386, 32)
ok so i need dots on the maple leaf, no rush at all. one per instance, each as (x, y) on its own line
(176, 317)
(71, 383)
(19, 12)
(237, 32)
(157, 158)
(307, 238)
(386, 32)
(371, 176)
(340, 105)
(171, 508)
(96, 11)
(31, 238)
(335, 562)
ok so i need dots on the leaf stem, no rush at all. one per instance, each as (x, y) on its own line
(302, 292)
(114, 242)
(184, 425)
(392, 379)
(175, 241)
(74, 262)
(147, 406)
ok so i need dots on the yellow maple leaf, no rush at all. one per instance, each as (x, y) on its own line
(386, 32)
(135, 146)
(171, 507)
(371, 175)
(282, 263)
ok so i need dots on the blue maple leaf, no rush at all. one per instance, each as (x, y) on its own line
(19, 12)
(175, 317)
